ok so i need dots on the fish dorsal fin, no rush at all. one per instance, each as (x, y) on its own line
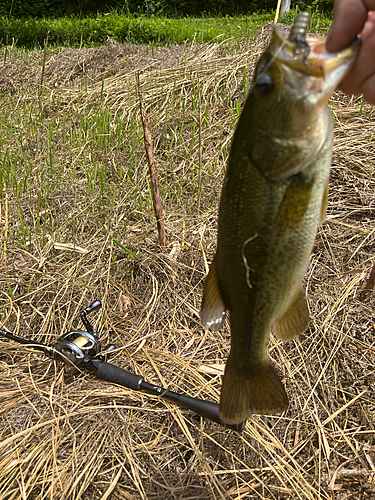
(295, 320)
(213, 307)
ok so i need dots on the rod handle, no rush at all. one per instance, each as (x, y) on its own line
(208, 409)
(116, 375)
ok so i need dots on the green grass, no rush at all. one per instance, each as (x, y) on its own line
(73, 170)
(88, 152)
(93, 31)
(97, 148)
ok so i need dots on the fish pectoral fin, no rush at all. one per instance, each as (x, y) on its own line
(294, 204)
(295, 320)
(213, 307)
(259, 391)
(323, 208)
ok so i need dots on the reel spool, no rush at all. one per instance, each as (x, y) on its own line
(78, 346)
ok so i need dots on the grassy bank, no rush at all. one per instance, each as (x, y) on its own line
(77, 224)
(94, 31)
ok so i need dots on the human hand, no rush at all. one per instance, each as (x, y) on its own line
(353, 17)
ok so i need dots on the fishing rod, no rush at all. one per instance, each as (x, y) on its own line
(83, 348)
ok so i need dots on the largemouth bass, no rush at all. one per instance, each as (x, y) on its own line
(274, 197)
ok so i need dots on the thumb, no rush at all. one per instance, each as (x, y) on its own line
(349, 19)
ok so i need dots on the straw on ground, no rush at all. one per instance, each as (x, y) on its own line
(74, 175)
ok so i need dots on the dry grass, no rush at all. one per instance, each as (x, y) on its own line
(74, 171)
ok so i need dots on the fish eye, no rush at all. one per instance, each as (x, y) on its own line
(264, 85)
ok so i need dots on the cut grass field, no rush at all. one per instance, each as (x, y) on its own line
(73, 171)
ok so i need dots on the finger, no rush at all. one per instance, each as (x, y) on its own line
(364, 66)
(368, 89)
(349, 19)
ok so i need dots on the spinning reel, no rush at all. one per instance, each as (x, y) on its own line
(80, 346)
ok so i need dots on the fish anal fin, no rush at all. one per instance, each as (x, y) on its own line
(295, 320)
(213, 307)
(323, 208)
(294, 204)
(242, 394)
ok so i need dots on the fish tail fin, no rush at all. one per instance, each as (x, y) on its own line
(259, 391)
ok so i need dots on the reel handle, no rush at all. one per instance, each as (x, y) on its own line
(93, 307)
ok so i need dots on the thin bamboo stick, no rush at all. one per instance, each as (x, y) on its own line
(158, 209)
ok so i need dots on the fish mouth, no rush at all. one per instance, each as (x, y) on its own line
(332, 66)
(309, 57)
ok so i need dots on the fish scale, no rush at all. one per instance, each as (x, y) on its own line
(273, 198)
